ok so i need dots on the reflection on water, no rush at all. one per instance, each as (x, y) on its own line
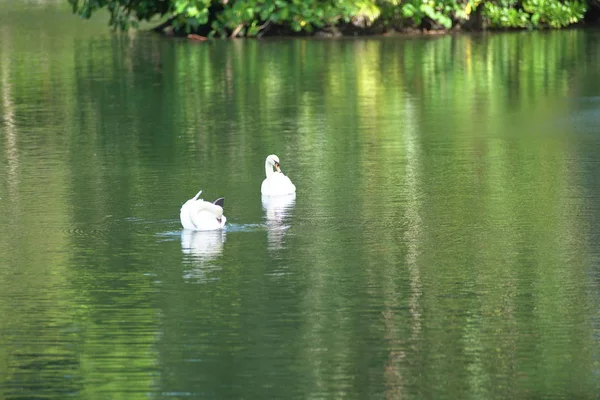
(277, 209)
(446, 245)
(200, 249)
(7, 120)
(203, 245)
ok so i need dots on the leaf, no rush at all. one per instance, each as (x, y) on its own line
(264, 14)
(444, 20)
(427, 10)
(192, 11)
(408, 10)
(180, 6)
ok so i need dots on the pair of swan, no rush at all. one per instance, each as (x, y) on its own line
(197, 214)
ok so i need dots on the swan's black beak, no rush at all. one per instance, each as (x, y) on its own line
(277, 166)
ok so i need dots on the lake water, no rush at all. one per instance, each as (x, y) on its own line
(443, 242)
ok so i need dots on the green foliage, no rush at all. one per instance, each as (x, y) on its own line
(554, 13)
(248, 17)
(123, 14)
(504, 14)
(251, 17)
(534, 13)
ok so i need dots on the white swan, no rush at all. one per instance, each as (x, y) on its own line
(200, 215)
(276, 183)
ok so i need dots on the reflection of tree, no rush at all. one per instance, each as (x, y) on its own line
(8, 118)
(431, 239)
(35, 346)
(398, 344)
(472, 195)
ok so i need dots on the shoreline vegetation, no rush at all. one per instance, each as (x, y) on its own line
(205, 19)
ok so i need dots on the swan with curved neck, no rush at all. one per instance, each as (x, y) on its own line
(275, 183)
(199, 215)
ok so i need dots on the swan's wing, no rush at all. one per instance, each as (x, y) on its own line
(219, 202)
(205, 206)
(184, 215)
(277, 184)
(287, 182)
(205, 214)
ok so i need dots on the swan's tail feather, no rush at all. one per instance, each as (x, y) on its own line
(219, 202)
(198, 195)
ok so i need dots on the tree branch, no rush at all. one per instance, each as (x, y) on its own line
(237, 30)
(263, 29)
(165, 24)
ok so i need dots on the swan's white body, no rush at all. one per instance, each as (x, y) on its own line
(199, 215)
(276, 183)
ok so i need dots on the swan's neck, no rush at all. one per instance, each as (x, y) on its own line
(268, 170)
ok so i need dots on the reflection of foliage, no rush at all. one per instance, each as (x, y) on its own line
(252, 17)
(450, 248)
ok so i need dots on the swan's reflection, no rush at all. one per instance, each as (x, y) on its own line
(201, 248)
(277, 209)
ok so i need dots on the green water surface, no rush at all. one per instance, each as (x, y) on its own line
(443, 242)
